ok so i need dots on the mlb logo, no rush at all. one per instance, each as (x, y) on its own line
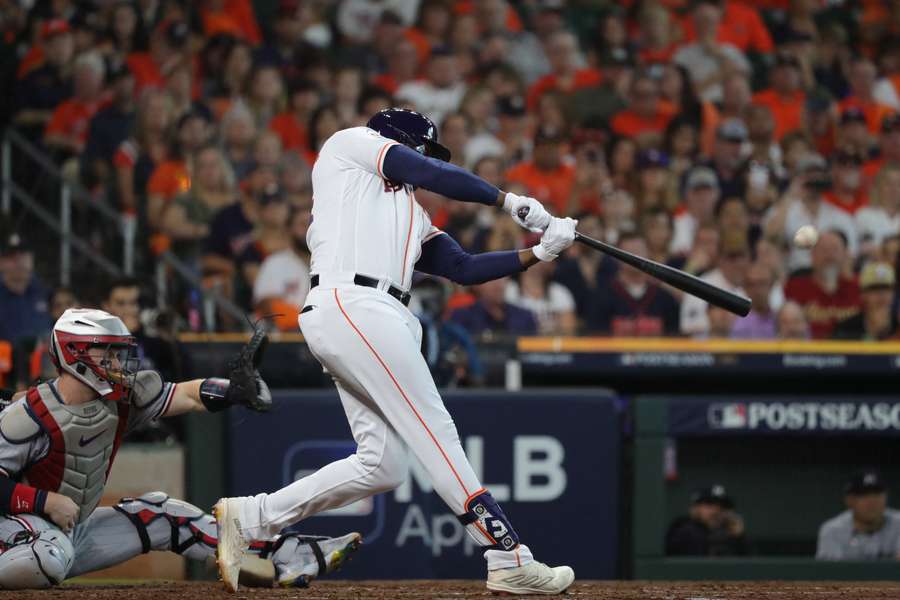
(728, 416)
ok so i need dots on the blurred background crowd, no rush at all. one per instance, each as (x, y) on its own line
(702, 134)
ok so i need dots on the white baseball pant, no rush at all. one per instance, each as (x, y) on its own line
(370, 344)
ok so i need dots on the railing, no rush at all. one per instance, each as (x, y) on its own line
(15, 145)
(69, 192)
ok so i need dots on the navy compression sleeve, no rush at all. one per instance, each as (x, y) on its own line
(405, 165)
(443, 256)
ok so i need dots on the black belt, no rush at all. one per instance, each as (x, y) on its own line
(372, 283)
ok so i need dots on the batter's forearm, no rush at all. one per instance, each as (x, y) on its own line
(527, 257)
(443, 256)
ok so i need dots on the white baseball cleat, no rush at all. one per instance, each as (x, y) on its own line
(533, 578)
(231, 546)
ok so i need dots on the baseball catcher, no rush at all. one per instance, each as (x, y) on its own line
(367, 236)
(58, 441)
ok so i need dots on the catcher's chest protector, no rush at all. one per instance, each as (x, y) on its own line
(83, 443)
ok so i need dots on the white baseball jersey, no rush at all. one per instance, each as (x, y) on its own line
(361, 223)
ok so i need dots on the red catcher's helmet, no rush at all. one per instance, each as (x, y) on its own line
(80, 329)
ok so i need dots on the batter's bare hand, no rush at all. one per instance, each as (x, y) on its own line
(61, 510)
(527, 212)
(560, 235)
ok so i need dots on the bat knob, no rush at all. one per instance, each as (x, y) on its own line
(523, 212)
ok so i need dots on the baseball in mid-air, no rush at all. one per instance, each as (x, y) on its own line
(806, 237)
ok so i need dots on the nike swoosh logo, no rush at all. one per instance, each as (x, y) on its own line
(84, 442)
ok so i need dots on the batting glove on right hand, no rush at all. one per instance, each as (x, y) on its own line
(527, 212)
(560, 234)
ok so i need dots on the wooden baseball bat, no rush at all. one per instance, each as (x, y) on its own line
(674, 277)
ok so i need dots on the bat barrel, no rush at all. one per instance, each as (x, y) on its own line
(685, 282)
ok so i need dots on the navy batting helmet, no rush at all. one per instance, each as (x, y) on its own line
(410, 129)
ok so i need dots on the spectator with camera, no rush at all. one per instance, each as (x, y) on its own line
(868, 529)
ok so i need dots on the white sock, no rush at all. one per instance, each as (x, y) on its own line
(507, 559)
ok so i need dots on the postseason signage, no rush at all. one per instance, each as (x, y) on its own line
(550, 458)
(780, 416)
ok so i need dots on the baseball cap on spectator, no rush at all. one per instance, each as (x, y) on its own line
(701, 177)
(789, 35)
(818, 101)
(852, 114)
(714, 494)
(877, 275)
(269, 194)
(785, 59)
(88, 21)
(650, 158)
(847, 156)
(548, 135)
(551, 6)
(811, 162)
(867, 481)
(54, 27)
(118, 71)
(390, 17)
(732, 130)
(13, 244)
(288, 8)
(192, 114)
(890, 123)
(511, 106)
(616, 57)
(175, 32)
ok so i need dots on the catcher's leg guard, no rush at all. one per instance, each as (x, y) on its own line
(35, 559)
(164, 523)
(486, 523)
(298, 559)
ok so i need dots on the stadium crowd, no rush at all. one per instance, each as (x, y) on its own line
(700, 133)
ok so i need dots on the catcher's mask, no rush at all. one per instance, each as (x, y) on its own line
(96, 348)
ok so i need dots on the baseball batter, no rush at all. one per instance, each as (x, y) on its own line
(368, 235)
(57, 445)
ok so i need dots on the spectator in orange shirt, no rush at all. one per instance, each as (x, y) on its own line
(566, 76)
(862, 78)
(170, 177)
(646, 118)
(741, 26)
(168, 48)
(785, 96)
(547, 178)
(68, 127)
(291, 125)
(847, 191)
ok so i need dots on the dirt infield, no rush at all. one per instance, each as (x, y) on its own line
(460, 590)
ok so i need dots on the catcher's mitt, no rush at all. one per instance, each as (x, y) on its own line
(247, 388)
